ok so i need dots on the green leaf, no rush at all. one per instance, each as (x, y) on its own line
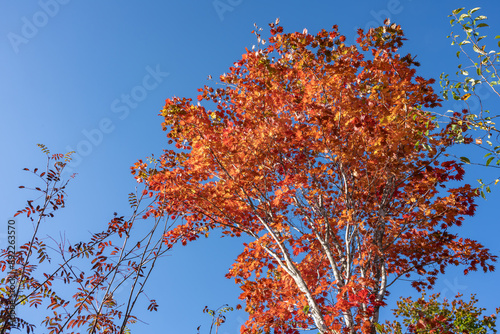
(465, 159)
(458, 10)
(463, 16)
(473, 10)
(379, 328)
(489, 161)
(478, 50)
(480, 25)
(481, 17)
(306, 309)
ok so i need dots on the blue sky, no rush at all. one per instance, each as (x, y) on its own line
(91, 76)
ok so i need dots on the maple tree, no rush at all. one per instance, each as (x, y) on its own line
(323, 155)
(78, 283)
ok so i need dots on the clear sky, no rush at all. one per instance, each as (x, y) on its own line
(91, 76)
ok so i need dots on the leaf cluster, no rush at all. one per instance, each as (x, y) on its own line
(81, 288)
(479, 72)
(433, 315)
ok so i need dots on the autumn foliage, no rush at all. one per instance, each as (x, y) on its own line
(324, 155)
(430, 315)
(75, 287)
